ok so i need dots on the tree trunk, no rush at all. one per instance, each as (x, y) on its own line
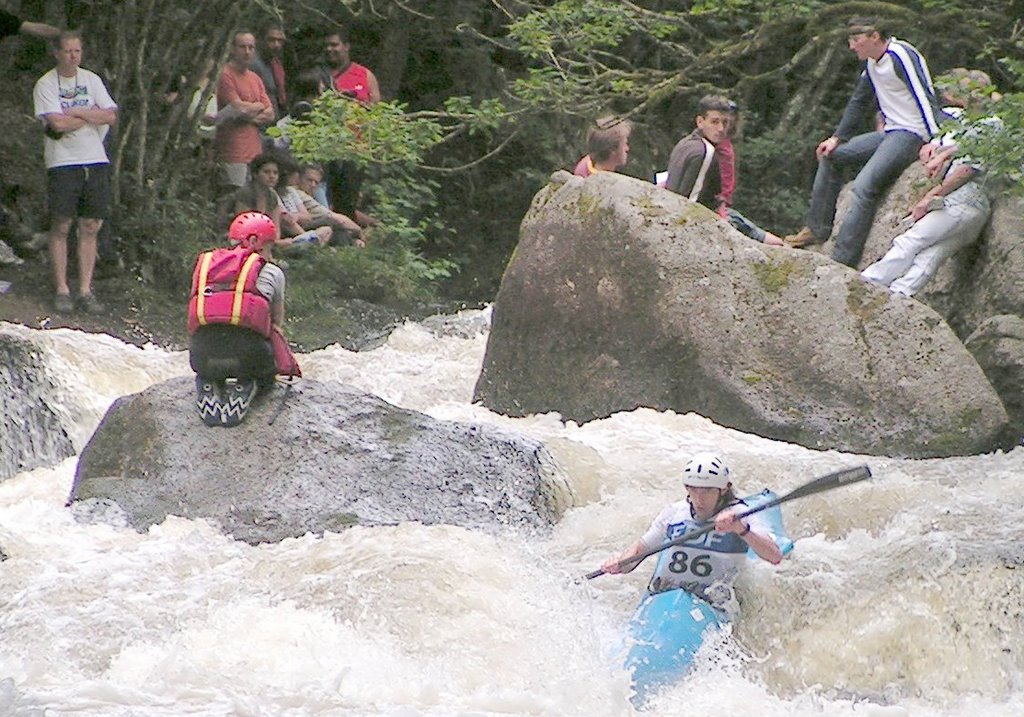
(391, 64)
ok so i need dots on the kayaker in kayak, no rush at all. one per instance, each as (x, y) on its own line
(713, 558)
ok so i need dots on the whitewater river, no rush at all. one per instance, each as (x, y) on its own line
(903, 595)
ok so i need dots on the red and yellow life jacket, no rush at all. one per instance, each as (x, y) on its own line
(224, 291)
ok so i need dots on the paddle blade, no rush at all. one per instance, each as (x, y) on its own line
(830, 481)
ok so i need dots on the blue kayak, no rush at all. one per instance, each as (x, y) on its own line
(667, 628)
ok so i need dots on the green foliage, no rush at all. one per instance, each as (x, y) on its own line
(341, 129)
(577, 25)
(380, 273)
(163, 244)
(997, 146)
(391, 144)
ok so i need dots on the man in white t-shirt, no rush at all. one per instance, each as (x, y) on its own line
(77, 112)
(895, 81)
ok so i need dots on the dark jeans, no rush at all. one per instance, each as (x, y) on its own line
(880, 159)
(744, 226)
(344, 180)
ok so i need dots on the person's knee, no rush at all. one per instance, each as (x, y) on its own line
(59, 229)
(907, 243)
(867, 188)
(88, 229)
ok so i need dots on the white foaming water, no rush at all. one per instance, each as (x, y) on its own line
(903, 597)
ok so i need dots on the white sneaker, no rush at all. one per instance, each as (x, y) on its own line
(7, 255)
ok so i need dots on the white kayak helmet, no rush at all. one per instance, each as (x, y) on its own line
(706, 470)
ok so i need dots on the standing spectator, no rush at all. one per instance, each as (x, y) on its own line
(77, 111)
(308, 87)
(349, 78)
(244, 106)
(607, 146)
(895, 80)
(12, 25)
(267, 64)
(345, 179)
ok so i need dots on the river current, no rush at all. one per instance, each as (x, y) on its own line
(904, 595)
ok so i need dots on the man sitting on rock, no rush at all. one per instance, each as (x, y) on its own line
(694, 168)
(607, 147)
(951, 214)
(895, 80)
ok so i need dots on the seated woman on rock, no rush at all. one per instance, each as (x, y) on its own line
(235, 319)
(607, 147)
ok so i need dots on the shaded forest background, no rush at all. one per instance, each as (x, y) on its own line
(528, 77)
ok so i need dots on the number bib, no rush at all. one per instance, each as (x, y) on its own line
(712, 558)
(694, 565)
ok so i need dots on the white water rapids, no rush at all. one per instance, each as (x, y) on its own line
(903, 596)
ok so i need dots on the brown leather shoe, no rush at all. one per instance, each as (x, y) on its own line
(801, 239)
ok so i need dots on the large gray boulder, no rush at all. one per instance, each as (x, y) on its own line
(993, 282)
(998, 346)
(333, 457)
(621, 295)
(32, 424)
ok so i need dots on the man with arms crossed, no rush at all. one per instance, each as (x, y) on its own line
(895, 80)
(267, 64)
(77, 111)
(240, 94)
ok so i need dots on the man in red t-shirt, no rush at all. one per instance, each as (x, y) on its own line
(245, 106)
(347, 77)
(353, 80)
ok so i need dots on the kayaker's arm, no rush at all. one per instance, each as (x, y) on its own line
(614, 565)
(760, 543)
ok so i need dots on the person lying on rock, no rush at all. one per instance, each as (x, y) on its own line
(952, 213)
(607, 147)
(695, 165)
(235, 320)
(713, 559)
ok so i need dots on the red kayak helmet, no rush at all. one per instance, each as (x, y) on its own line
(253, 230)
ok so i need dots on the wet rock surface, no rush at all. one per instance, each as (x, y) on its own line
(333, 457)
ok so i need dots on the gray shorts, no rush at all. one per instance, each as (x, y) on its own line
(235, 174)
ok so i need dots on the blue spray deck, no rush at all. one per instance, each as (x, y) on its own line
(667, 628)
